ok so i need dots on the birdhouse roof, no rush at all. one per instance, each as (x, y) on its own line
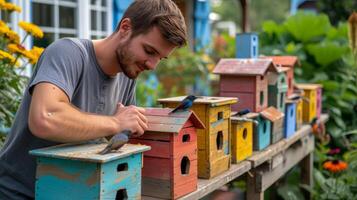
(308, 86)
(88, 152)
(250, 115)
(285, 61)
(248, 67)
(212, 101)
(161, 120)
(272, 114)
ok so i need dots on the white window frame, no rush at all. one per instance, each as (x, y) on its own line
(109, 18)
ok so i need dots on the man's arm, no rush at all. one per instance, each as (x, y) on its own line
(52, 117)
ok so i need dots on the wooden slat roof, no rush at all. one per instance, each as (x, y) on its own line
(249, 67)
(159, 120)
(213, 101)
(308, 86)
(272, 114)
(285, 61)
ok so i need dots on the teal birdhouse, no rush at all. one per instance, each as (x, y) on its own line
(77, 171)
(277, 88)
(261, 131)
(277, 121)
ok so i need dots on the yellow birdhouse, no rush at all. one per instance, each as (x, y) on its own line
(213, 142)
(310, 101)
(242, 138)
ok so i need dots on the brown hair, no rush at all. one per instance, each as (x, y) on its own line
(164, 14)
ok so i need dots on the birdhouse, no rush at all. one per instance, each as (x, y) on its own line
(287, 61)
(290, 118)
(312, 94)
(261, 131)
(213, 142)
(170, 169)
(277, 122)
(245, 79)
(277, 87)
(242, 138)
(247, 45)
(77, 171)
(297, 96)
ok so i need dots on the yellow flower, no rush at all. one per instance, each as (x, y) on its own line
(37, 51)
(9, 6)
(15, 48)
(32, 58)
(6, 56)
(31, 29)
(2, 23)
(13, 36)
(4, 30)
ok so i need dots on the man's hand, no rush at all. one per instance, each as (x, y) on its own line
(131, 118)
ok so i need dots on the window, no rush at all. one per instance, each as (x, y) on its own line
(57, 19)
(98, 15)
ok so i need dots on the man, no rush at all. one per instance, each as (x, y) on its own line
(79, 89)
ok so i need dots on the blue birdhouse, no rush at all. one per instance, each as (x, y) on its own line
(247, 45)
(261, 131)
(77, 171)
(290, 118)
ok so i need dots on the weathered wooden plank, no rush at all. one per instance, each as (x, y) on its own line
(207, 186)
(307, 173)
(260, 157)
(292, 156)
(88, 152)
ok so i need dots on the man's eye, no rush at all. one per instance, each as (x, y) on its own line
(149, 52)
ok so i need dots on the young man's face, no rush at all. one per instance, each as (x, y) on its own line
(143, 52)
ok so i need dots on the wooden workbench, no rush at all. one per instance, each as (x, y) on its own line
(267, 166)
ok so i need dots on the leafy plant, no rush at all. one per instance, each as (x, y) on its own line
(13, 60)
(325, 58)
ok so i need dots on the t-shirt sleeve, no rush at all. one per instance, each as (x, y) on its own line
(60, 64)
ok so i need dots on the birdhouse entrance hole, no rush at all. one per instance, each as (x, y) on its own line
(219, 140)
(220, 115)
(121, 195)
(185, 165)
(122, 167)
(186, 138)
(245, 133)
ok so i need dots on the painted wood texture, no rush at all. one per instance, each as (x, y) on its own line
(248, 67)
(290, 119)
(309, 106)
(299, 113)
(289, 62)
(277, 120)
(261, 134)
(176, 158)
(213, 142)
(58, 178)
(252, 92)
(242, 139)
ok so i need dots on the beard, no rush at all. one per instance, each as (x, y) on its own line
(126, 60)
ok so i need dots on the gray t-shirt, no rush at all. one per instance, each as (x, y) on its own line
(71, 65)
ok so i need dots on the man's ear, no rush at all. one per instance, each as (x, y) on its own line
(125, 26)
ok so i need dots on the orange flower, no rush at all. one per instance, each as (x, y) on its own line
(335, 166)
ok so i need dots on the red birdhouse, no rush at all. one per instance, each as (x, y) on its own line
(170, 167)
(246, 79)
